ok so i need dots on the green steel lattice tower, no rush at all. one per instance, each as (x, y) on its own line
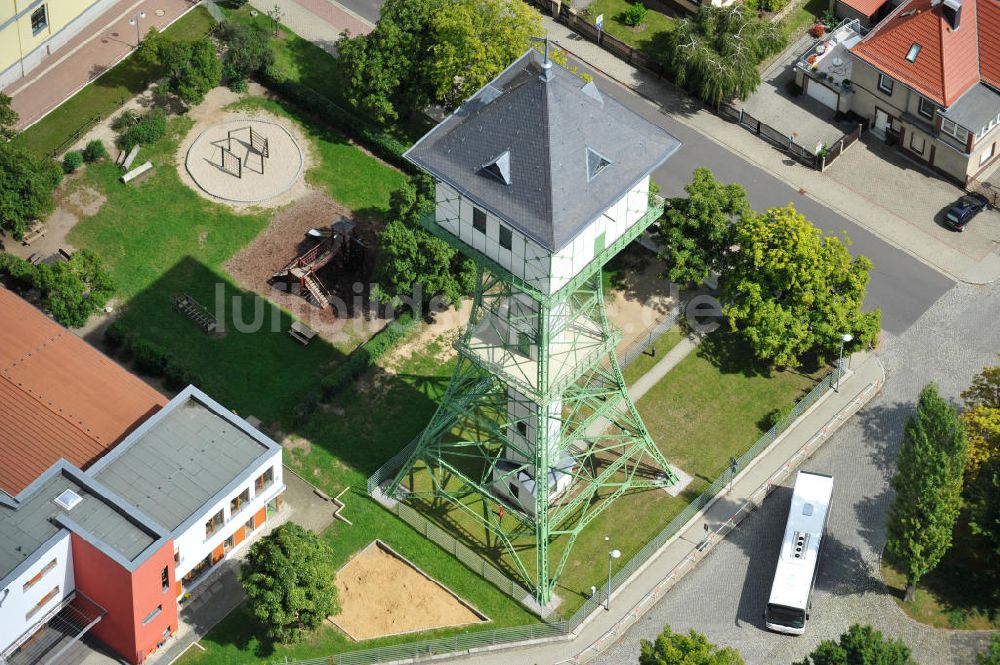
(541, 180)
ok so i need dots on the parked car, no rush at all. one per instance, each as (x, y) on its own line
(964, 209)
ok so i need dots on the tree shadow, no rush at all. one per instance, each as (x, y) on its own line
(731, 354)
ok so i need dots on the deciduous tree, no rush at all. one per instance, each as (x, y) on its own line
(928, 485)
(193, 67)
(8, 118)
(791, 291)
(982, 419)
(288, 576)
(693, 648)
(73, 290)
(984, 503)
(715, 53)
(860, 645)
(248, 51)
(696, 230)
(432, 51)
(411, 259)
(26, 185)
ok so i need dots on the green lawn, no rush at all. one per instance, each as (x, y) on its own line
(340, 447)
(960, 592)
(107, 93)
(648, 39)
(714, 405)
(803, 17)
(647, 359)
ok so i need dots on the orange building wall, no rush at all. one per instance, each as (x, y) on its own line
(127, 597)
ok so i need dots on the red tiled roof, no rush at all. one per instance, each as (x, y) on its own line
(948, 62)
(989, 38)
(866, 7)
(59, 397)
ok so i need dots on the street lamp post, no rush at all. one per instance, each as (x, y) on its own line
(138, 31)
(844, 339)
(613, 554)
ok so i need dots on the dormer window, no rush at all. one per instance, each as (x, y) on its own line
(499, 167)
(596, 162)
(911, 55)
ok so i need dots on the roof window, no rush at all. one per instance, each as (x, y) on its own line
(68, 499)
(911, 55)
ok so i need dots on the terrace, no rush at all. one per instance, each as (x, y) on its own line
(828, 62)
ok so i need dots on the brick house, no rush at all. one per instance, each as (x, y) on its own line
(927, 79)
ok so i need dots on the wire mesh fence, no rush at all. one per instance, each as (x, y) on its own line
(547, 629)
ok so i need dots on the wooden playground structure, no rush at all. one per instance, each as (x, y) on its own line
(300, 274)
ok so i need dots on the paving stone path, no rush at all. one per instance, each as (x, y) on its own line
(725, 596)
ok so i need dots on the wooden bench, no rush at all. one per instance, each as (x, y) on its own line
(301, 332)
(34, 233)
(136, 172)
(197, 312)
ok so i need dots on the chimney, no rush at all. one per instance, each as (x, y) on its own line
(952, 11)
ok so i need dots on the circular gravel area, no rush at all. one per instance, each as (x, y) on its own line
(262, 178)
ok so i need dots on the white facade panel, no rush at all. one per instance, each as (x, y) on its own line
(192, 544)
(16, 602)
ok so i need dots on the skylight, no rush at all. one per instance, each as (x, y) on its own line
(68, 499)
(911, 55)
(499, 168)
(596, 163)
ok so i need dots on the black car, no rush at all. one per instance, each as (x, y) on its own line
(964, 210)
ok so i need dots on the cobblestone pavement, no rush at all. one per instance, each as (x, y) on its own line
(725, 596)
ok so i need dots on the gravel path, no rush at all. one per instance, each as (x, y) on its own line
(724, 597)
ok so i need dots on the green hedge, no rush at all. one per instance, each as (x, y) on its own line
(147, 357)
(377, 140)
(363, 357)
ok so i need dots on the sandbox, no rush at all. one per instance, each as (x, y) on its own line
(245, 160)
(382, 594)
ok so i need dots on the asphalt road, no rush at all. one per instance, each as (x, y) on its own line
(901, 286)
(367, 9)
(725, 595)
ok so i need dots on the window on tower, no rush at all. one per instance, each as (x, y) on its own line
(479, 220)
(506, 238)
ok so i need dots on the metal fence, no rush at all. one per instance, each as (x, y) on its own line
(644, 341)
(510, 637)
(775, 137)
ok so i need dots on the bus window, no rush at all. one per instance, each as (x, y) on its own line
(785, 616)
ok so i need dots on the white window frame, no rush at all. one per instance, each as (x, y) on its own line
(885, 83)
(920, 108)
(956, 131)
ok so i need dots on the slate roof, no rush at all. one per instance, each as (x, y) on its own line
(59, 397)
(181, 458)
(35, 518)
(975, 108)
(547, 126)
(950, 61)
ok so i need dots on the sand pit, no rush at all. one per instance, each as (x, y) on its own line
(383, 594)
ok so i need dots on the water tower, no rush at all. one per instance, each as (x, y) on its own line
(541, 180)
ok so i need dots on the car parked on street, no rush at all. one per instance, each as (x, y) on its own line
(961, 213)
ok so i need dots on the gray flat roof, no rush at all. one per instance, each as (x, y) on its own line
(974, 109)
(37, 518)
(182, 457)
(546, 156)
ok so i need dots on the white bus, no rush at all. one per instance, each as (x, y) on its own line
(788, 607)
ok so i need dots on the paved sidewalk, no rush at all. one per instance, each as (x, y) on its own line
(681, 554)
(98, 47)
(319, 21)
(680, 351)
(893, 226)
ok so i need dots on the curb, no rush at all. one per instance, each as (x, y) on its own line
(804, 192)
(700, 551)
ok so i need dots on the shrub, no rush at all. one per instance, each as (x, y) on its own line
(124, 120)
(150, 129)
(306, 407)
(21, 273)
(149, 358)
(176, 376)
(72, 161)
(95, 151)
(117, 336)
(635, 15)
